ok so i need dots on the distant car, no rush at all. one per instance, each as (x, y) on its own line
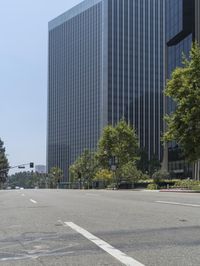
(16, 187)
(8, 188)
(21, 188)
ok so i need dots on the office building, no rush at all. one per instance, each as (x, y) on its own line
(106, 62)
(197, 20)
(182, 28)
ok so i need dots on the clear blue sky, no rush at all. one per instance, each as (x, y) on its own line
(23, 76)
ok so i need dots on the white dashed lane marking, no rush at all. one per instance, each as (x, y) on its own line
(33, 201)
(178, 203)
(117, 254)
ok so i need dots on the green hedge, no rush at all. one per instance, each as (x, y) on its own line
(145, 183)
(187, 183)
(150, 184)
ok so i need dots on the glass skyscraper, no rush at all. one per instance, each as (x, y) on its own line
(106, 62)
(182, 28)
(197, 20)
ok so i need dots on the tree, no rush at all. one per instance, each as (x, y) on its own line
(75, 171)
(143, 163)
(27, 179)
(104, 175)
(126, 148)
(4, 166)
(160, 175)
(55, 174)
(106, 147)
(129, 172)
(84, 168)
(120, 142)
(154, 164)
(183, 125)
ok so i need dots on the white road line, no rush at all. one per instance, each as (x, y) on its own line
(178, 203)
(117, 254)
(33, 201)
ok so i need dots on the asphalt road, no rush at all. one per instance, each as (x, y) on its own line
(73, 227)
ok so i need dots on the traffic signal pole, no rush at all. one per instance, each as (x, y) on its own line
(31, 165)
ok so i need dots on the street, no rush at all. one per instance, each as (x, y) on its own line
(98, 227)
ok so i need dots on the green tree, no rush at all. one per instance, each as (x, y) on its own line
(154, 165)
(106, 146)
(84, 168)
(56, 175)
(160, 175)
(75, 171)
(126, 148)
(104, 175)
(130, 173)
(4, 165)
(27, 179)
(183, 125)
(121, 142)
(143, 163)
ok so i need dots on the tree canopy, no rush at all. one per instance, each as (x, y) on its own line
(84, 167)
(104, 175)
(118, 146)
(129, 172)
(121, 142)
(183, 125)
(55, 175)
(27, 179)
(4, 166)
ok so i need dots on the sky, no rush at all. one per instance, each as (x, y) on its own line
(23, 76)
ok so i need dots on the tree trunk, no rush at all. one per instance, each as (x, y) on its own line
(164, 164)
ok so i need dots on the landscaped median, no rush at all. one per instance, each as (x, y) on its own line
(175, 185)
(184, 186)
(165, 185)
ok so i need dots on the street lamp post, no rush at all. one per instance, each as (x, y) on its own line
(87, 175)
(79, 179)
(113, 162)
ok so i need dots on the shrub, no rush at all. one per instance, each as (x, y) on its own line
(104, 175)
(152, 187)
(187, 183)
(112, 186)
(160, 175)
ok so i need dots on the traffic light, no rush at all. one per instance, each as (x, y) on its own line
(31, 165)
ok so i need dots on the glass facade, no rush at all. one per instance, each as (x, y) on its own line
(179, 37)
(106, 62)
(75, 66)
(197, 20)
(136, 74)
(175, 58)
(174, 18)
